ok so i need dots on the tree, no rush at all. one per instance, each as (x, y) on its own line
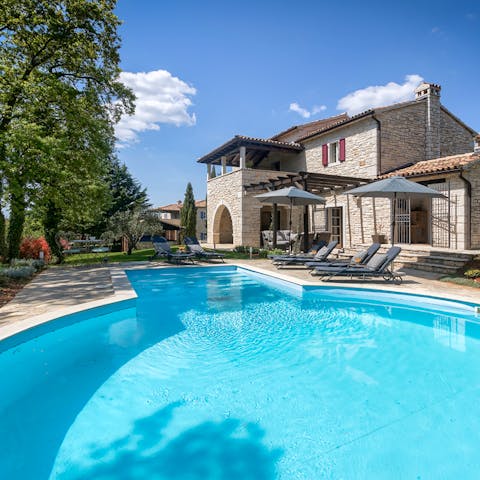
(59, 69)
(132, 225)
(125, 194)
(188, 213)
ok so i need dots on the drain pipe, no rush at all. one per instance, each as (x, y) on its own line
(469, 197)
(379, 145)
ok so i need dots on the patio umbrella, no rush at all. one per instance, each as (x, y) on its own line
(290, 196)
(393, 188)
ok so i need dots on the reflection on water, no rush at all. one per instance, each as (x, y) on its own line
(450, 331)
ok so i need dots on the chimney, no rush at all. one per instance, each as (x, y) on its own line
(431, 92)
(476, 143)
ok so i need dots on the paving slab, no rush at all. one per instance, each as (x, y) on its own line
(57, 288)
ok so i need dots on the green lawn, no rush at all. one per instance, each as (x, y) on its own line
(113, 257)
(136, 256)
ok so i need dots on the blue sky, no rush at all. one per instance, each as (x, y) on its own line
(213, 69)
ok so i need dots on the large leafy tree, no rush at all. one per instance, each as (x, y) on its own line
(188, 213)
(59, 68)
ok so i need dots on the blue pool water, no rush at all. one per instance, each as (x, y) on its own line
(222, 374)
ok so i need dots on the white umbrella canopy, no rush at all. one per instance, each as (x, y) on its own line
(290, 196)
(393, 188)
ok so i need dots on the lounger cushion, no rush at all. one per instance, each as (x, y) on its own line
(321, 252)
(377, 261)
(359, 257)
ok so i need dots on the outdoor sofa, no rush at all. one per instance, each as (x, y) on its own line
(284, 238)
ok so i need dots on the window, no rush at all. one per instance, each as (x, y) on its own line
(203, 215)
(203, 236)
(333, 153)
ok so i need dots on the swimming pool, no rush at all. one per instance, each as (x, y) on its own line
(222, 373)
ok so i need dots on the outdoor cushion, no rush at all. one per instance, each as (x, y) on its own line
(377, 261)
(359, 257)
(321, 252)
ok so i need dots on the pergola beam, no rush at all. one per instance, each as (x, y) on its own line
(315, 181)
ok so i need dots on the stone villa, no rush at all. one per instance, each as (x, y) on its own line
(418, 139)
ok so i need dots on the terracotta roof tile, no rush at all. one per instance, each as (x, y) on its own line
(296, 132)
(269, 141)
(173, 207)
(176, 207)
(436, 165)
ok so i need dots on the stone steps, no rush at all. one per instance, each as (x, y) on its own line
(437, 261)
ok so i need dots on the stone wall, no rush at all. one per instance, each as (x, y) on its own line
(360, 150)
(473, 176)
(403, 135)
(244, 208)
(363, 217)
(225, 190)
(455, 138)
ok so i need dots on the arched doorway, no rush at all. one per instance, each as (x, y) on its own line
(222, 226)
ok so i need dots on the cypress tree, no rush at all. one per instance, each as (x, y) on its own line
(188, 214)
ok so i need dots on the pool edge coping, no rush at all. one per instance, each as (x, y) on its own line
(123, 290)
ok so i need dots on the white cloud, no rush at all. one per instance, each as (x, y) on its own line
(379, 95)
(161, 98)
(295, 107)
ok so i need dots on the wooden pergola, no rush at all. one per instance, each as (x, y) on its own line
(310, 181)
(317, 183)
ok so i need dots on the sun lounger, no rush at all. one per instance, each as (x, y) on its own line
(378, 266)
(361, 258)
(286, 260)
(194, 247)
(310, 254)
(163, 250)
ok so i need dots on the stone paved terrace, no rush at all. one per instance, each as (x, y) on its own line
(57, 290)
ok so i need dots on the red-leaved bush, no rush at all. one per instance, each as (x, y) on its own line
(31, 248)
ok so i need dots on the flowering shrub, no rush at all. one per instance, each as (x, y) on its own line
(31, 248)
(473, 273)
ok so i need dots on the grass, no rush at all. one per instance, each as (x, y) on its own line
(136, 256)
(112, 257)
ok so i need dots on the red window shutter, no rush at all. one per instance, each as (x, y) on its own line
(341, 155)
(325, 154)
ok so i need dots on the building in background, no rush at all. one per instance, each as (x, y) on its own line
(169, 216)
